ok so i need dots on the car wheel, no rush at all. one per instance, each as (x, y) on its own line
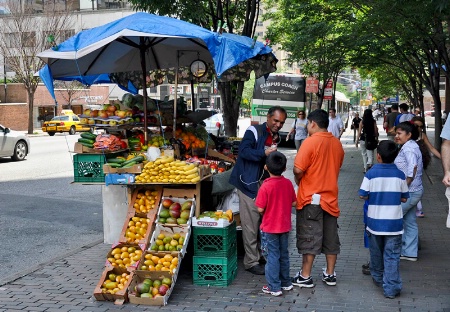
(51, 133)
(20, 151)
(72, 130)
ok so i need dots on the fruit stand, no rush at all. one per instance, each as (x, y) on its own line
(151, 204)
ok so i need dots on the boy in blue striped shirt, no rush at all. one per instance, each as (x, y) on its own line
(384, 186)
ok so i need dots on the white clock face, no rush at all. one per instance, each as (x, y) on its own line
(198, 68)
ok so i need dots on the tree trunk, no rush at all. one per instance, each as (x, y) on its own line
(30, 95)
(230, 95)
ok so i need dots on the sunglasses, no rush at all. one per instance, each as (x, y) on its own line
(301, 114)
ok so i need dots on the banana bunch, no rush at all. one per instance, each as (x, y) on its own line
(168, 170)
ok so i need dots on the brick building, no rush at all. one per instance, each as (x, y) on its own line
(14, 108)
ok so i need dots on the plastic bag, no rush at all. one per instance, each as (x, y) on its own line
(153, 153)
(230, 201)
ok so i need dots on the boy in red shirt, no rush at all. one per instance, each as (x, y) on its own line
(275, 200)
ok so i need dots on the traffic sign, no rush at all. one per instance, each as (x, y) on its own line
(328, 91)
(312, 85)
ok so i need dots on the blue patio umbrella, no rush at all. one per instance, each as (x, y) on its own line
(145, 42)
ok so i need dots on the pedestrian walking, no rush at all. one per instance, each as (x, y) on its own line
(367, 138)
(390, 121)
(409, 161)
(274, 201)
(316, 172)
(385, 188)
(248, 172)
(299, 129)
(335, 124)
(355, 126)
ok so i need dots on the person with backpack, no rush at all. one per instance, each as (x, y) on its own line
(248, 173)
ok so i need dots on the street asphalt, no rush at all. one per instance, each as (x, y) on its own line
(67, 283)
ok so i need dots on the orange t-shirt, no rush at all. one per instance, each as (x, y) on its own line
(320, 158)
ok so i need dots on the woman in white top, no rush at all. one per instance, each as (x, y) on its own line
(299, 125)
(409, 160)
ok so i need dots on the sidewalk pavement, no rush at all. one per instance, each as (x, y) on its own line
(67, 283)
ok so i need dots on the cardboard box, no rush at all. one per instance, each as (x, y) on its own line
(211, 222)
(131, 266)
(137, 168)
(120, 296)
(177, 196)
(146, 238)
(138, 277)
(221, 156)
(143, 189)
(170, 231)
(80, 148)
(161, 254)
(117, 178)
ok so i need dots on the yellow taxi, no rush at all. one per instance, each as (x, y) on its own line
(64, 123)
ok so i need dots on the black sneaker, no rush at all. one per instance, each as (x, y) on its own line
(300, 281)
(366, 268)
(330, 280)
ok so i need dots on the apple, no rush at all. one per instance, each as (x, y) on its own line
(111, 108)
(93, 113)
(109, 113)
(113, 123)
(102, 114)
(166, 203)
(121, 113)
(117, 105)
(87, 112)
(91, 121)
(163, 289)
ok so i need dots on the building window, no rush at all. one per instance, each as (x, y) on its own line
(260, 34)
(260, 24)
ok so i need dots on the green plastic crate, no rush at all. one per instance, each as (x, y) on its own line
(215, 242)
(214, 271)
(88, 167)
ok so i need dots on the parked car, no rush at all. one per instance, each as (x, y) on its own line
(66, 123)
(215, 125)
(13, 144)
(429, 119)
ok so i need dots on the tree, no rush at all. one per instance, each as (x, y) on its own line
(238, 17)
(315, 33)
(68, 90)
(23, 36)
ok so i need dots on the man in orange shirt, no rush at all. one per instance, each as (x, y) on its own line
(316, 171)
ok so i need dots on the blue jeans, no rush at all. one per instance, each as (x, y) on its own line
(274, 248)
(385, 262)
(410, 238)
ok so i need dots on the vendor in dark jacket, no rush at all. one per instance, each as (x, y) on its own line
(258, 142)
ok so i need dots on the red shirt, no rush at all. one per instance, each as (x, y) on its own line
(276, 196)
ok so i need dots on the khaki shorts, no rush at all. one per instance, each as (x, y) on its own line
(317, 231)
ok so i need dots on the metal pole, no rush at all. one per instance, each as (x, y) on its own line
(174, 126)
(144, 83)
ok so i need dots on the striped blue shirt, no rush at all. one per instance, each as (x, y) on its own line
(385, 185)
(407, 159)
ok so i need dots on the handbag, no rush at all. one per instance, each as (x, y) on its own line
(292, 135)
(371, 143)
